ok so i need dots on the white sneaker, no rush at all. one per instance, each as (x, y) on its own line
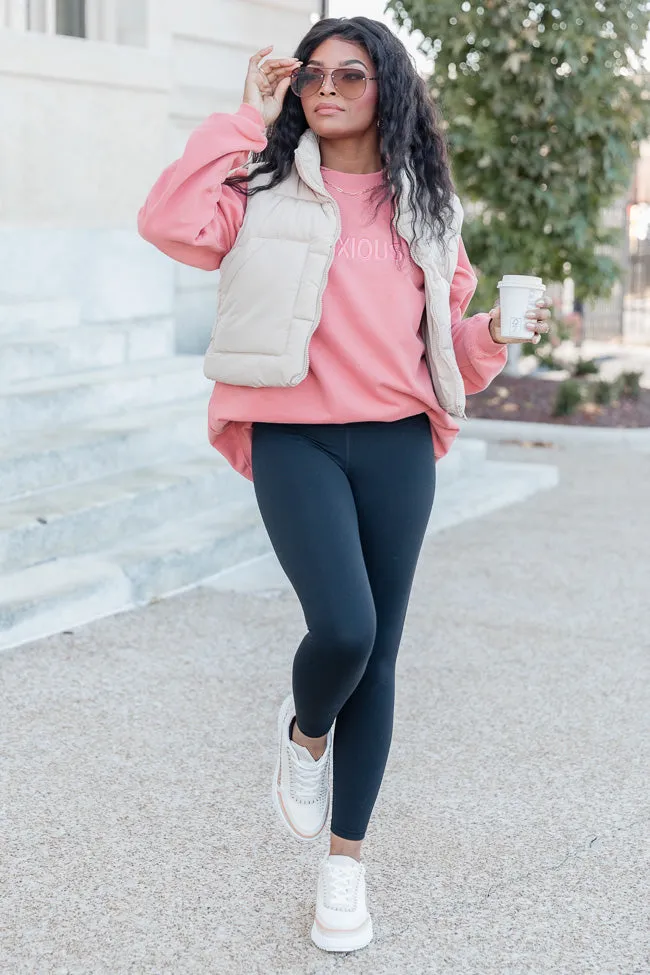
(301, 785)
(342, 921)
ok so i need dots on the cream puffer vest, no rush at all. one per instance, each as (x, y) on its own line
(273, 278)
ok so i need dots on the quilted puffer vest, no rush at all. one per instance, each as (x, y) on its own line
(273, 278)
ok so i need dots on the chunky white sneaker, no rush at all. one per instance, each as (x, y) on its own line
(342, 921)
(301, 785)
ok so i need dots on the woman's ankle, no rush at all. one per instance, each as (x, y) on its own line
(339, 846)
(316, 746)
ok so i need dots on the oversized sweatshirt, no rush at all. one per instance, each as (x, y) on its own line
(366, 356)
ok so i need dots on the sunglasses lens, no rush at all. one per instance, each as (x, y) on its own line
(306, 81)
(349, 82)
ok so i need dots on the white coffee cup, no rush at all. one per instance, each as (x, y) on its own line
(519, 293)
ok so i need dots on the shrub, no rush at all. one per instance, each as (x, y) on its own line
(630, 384)
(585, 367)
(549, 361)
(536, 348)
(603, 392)
(569, 396)
(563, 331)
(559, 333)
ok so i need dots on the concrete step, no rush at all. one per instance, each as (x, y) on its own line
(179, 554)
(101, 446)
(68, 592)
(465, 455)
(492, 486)
(55, 596)
(59, 400)
(17, 314)
(29, 354)
(105, 445)
(86, 517)
(225, 547)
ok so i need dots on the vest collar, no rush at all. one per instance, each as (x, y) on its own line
(308, 162)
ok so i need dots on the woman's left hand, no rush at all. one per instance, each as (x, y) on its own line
(538, 323)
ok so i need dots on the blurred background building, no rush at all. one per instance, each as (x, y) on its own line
(96, 97)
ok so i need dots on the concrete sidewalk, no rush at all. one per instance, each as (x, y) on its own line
(511, 835)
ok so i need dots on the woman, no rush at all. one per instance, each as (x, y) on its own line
(340, 357)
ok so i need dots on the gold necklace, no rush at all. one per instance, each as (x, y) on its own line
(348, 192)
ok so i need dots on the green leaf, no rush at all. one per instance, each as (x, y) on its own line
(516, 125)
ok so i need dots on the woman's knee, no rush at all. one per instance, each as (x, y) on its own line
(351, 639)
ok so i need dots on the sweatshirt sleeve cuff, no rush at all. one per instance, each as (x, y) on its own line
(482, 342)
(252, 114)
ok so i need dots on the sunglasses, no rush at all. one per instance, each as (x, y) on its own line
(349, 82)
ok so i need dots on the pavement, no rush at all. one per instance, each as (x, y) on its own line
(512, 831)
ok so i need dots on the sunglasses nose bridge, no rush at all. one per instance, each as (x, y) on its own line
(327, 76)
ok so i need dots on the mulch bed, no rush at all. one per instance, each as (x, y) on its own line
(531, 400)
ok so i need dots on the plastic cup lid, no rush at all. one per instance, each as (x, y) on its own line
(521, 281)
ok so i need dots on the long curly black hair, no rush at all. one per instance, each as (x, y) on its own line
(410, 135)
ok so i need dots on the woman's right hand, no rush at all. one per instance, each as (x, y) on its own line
(267, 85)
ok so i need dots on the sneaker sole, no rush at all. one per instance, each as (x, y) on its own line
(342, 940)
(277, 798)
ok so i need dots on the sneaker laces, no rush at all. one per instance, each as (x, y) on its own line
(309, 781)
(341, 885)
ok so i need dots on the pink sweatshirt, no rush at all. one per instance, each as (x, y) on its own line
(366, 357)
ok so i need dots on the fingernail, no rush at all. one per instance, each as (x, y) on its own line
(541, 304)
(531, 314)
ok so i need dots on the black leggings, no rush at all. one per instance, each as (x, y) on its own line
(346, 506)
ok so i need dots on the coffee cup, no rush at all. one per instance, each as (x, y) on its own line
(519, 293)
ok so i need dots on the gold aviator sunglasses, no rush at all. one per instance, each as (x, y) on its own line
(349, 82)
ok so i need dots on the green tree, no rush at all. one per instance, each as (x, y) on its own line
(545, 105)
